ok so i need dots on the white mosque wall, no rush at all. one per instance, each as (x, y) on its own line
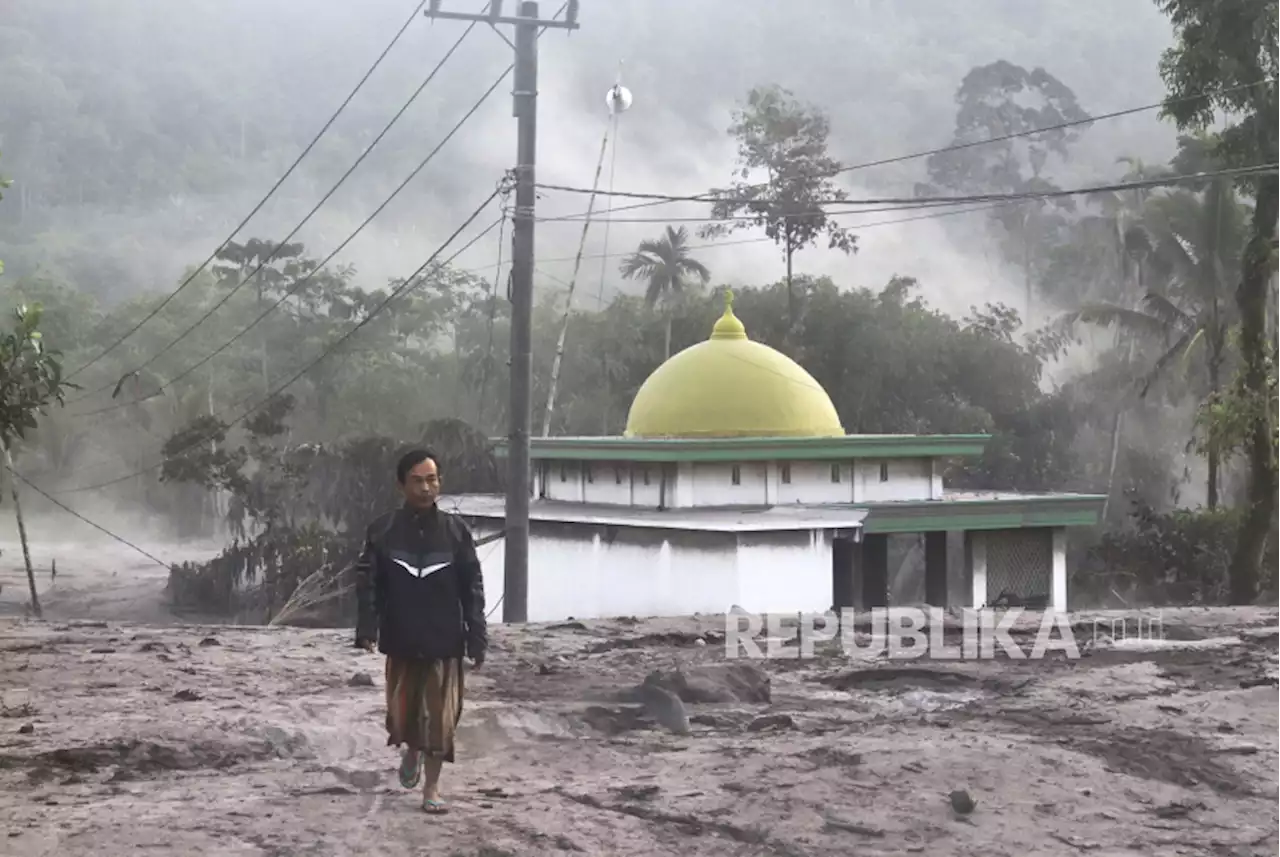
(749, 483)
(895, 479)
(588, 571)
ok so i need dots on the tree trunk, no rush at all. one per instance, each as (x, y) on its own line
(791, 294)
(1213, 456)
(1251, 297)
(1117, 428)
(1026, 268)
(666, 346)
(22, 532)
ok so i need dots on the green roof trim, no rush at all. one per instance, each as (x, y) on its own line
(751, 448)
(1005, 513)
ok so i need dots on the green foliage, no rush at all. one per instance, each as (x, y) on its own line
(665, 265)
(30, 376)
(995, 101)
(786, 140)
(1179, 557)
(1230, 51)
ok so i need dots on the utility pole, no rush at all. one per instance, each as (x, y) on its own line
(527, 26)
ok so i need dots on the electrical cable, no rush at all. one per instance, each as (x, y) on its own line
(408, 285)
(121, 539)
(270, 193)
(493, 310)
(298, 285)
(561, 284)
(1257, 169)
(938, 200)
(711, 197)
(282, 244)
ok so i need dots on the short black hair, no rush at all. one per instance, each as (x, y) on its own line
(412, 459)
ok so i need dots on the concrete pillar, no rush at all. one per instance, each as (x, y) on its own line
(975, 550)
(935, 568)
(871, 572)
(1058, 592)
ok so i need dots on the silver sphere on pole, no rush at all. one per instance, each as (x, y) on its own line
(618, 99)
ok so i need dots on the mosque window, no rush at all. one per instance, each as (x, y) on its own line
(564, 473)
(617, 475)
(835, 473)
(590, 471)
(736, 475)
(786, 474)
(884, 471)
(644, 472)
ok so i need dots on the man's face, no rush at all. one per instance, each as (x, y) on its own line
(421, 485)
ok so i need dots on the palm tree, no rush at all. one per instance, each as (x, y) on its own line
(1195, 252)
(667, 266)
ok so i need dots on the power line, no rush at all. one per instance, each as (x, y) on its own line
(121, 539)
(919, 201)
(711, 197)
(270, 193)
(562, 285)
(408, 285)
(282, 244)
(298, 285)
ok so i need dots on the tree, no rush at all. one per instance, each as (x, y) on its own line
(995, 101)
(667, 267)
(30, 380)
(1227, 52)
(787, 140)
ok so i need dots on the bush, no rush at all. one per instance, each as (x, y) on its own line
(1171, 558)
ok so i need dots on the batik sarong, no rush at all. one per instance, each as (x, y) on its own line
(424, 703)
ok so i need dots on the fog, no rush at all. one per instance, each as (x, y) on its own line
(139, 132)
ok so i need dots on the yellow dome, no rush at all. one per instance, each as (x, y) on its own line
(730, 386)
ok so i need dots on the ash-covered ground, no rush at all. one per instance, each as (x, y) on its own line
(122, 738)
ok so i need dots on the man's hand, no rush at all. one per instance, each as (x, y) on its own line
(477, 661)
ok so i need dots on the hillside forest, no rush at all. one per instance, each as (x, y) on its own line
(1153, 380)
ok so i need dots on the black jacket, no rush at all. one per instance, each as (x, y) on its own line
(419, 587)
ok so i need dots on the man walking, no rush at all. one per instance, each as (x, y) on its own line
(421, 603)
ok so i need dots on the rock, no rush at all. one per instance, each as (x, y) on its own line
(186, 695)
(360, 680)
(614, 721)
(771, 721)
(831, 822)
(634, 792)
(665, 707)
(153, 646)
(961, 802)
(26, 728)
(716, 683)
(210, 641)
(545, 669)
(102, 650)
(706, 720)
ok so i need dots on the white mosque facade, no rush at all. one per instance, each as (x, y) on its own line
(735, 484)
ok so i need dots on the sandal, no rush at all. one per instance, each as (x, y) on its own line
(434, 807)
(410, 768)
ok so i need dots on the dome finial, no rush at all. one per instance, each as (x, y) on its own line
(728, 327)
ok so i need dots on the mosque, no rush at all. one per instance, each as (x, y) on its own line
(735, 483)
